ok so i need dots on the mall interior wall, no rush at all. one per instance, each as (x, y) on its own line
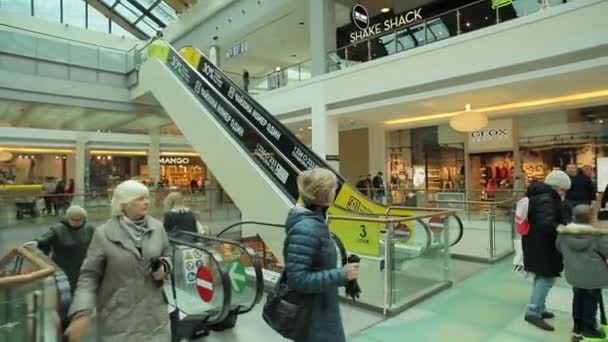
(354, 154)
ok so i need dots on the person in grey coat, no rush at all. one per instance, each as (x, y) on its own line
(310, 256)
(67, 242)
(117, 277)
(585, 250)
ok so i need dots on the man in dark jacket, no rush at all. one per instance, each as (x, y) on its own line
(541, 257)
(582, 190)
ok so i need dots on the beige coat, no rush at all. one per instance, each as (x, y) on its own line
(116, 280)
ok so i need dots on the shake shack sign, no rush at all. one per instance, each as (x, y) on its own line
(362, 21)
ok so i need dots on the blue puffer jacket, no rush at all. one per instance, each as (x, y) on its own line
(311, 267)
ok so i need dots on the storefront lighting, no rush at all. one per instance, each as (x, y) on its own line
(507, 107)
(469, 121)
(98, 157)
(56, 157)
(119, 152)
(32, 157)
(5, 156)
(64, 157)
(109, 157)
(37, 150)
(179, 154)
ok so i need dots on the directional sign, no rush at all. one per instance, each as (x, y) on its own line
(237, 276)
(204, 284)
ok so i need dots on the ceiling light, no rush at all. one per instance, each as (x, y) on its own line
(469, 121)
(32, 157)
(468, 24)
(5, 156)
(309, 127)
(600, 121)
(507, 107)
(385, 10)
(56, 157)
(301, 129)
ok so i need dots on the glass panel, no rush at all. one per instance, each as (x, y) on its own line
(524, 7)
(73, 12)
(148, 26)
(127, 11)
(16, 6)
(477, 16)
(47, 10)
(97, 21)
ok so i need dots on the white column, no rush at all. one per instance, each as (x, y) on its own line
(322, 33)
(154, 157)
(81, 169)
(377, 150)
(325, 132)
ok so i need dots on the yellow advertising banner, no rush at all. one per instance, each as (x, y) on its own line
(362, 238)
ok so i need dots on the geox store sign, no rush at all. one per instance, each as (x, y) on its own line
(362, 21)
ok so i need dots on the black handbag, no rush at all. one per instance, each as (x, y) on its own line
(286, 311)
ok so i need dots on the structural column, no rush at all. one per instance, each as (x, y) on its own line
(322, 34)
(154, 156)
(81, 169)
(377, 150)
(325, 132)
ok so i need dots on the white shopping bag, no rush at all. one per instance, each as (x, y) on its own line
(518, 259)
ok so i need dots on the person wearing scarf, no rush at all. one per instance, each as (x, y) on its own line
(118, 277)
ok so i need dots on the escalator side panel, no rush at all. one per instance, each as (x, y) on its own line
(256, 195)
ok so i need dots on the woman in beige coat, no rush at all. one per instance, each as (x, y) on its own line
(118, 276)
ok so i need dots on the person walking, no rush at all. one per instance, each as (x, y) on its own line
(582, 190)
(311, 258)
(246, 80)
(122, 275)
(379, 190)
(541, 257)
(67, 242)
(178, 216)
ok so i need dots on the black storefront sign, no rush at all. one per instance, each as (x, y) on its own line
(283, 139)
(409, 23)
(238, 128)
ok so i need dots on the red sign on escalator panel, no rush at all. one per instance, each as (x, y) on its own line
(204, 283)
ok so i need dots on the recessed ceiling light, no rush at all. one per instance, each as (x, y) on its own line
(301, 23)
(301, 129)
(385, 10)
(309, 127)
(468, 24)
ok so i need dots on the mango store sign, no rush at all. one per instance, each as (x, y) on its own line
(361, 19)
(498, 135)
(174, 161)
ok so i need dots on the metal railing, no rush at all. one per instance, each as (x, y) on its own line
(411, 269)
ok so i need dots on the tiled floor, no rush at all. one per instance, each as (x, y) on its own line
(486, 307)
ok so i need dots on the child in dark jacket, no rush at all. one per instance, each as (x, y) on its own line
(584, 249)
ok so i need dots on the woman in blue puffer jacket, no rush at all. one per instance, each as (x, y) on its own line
(310, 256)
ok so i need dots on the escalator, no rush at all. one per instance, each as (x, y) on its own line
(251, 153)
(236, 284)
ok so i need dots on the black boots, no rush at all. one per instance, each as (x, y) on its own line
(539, 323)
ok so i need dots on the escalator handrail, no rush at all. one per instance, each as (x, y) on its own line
(234, 225)
(44, 269)
(259, 276)
(226, 287)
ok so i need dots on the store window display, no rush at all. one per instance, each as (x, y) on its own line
(492, 173)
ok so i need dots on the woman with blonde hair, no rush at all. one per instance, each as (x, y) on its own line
(122, 275)
(180, 217)
(310, 256)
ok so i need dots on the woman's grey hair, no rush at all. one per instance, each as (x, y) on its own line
(125, 193)
(173, 200)
(76, 211)
(317, 187)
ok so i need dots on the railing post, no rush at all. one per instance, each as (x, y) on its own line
(388, 264)
(300, 72)
(346, 55)
(458, 31)
(425, 32)
(498, 15)
(395, 40)
(369, 50)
